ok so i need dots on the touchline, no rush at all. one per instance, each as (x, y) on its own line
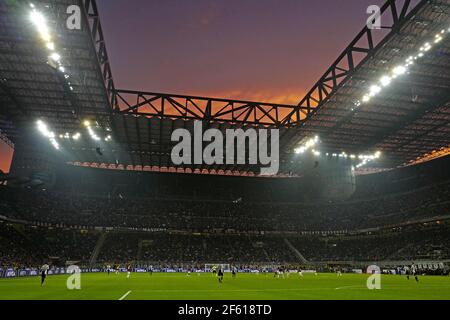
(213, 147)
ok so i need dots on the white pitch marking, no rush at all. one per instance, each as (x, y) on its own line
(125, 295)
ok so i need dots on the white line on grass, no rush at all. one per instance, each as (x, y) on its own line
(125, 295)
(348, 287)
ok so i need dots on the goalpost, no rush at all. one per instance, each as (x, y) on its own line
(224, 266)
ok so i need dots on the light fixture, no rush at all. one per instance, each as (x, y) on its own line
(374, 90)
(402, 69)
(399, 70)
(366, 98)
(41, 25)
(307, 145)
(385, 81)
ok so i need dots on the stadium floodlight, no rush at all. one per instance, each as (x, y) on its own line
(307, 145)
(76, 136)
(366, 98)
(42, 127)
(93, 134)
(55, 57)
(427, 46)
(374, 90)
(399, 70)
(438, 38)
(385, 81)
(41, 25)
(39, 21)
(55, 144)
(402, 69)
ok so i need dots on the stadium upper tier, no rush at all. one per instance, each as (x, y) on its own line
(425, 204)
(93, 197)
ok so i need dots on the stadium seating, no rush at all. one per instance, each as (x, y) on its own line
(110, 224)
(69, 209)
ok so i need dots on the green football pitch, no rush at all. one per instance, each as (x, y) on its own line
(206, 287)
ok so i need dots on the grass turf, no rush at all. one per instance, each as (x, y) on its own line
(101, 286)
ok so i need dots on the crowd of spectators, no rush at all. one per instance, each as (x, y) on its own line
(430, 243)
(188, 248)
(198, 216)
(28, 245)
(66, 224)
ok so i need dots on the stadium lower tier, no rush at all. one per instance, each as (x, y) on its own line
(22, 245)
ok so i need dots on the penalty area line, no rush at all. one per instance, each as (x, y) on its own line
(125, 295)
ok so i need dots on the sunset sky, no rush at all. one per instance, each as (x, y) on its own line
(264, 50)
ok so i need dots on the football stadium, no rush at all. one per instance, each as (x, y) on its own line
(325, 177)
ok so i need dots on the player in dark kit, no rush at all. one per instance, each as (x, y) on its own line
(220, 275)
(43, 276)
(233, 272)
(414, 272)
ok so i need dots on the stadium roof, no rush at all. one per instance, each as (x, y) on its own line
(32, 88)
(406, 121)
